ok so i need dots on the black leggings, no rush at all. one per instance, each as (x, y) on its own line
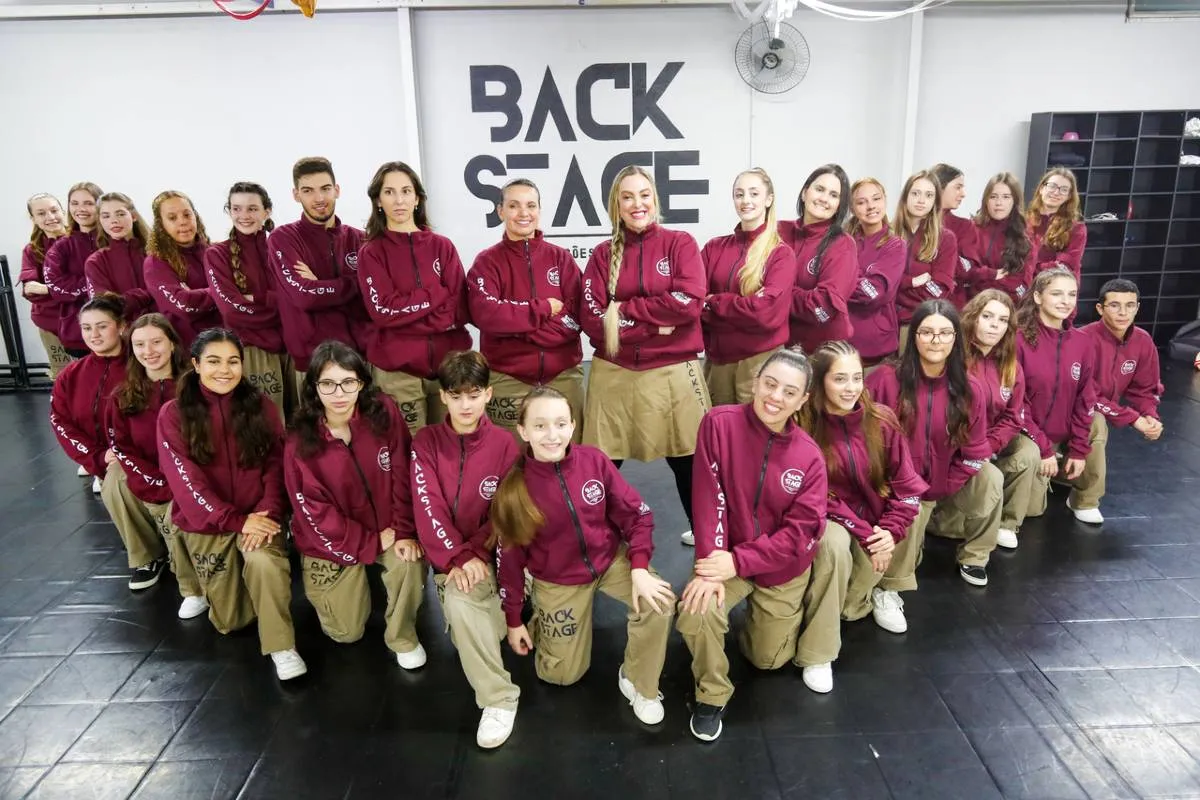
(681, 467)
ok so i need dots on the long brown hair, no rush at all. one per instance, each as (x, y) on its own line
(235, 248)
(1058, 234)
(132, 395)
(38, 240)
(310, 411)
(853, 225)
(1028, 315)
(253, 438)
(139, 230)
(161, 244)
(612, 318)
(516, 519)
(750, 276)
(377, 224)
(932, 221)
(83, 186)
(1016, 234)
(1005, 351)
(909, 374)
(875, 417)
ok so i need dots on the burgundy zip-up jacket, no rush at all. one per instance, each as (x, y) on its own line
(44, 308)
(736, 327)
(118, 268)
(760, 495)
(661, 285)
(415, 293)
(1125, 369)
(187, 304)
(255, 321)
(216, 498)
(134, 441)
(1005, 405)
(853, 501)
(508, 291)
(1046, 257)
(326, 308)
(942, 269)
(454, 479)
(944, 464)
(991, 250)
(820, 295)
(64, 275)
(343, 495)
(79, 404)
(968, 279)
(1060, 392)
(590, 511)
(872, 304)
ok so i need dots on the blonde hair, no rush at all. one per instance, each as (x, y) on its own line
(1058, 232)
(612, 317)
(932, 239)
(750, 276)
(854, 226)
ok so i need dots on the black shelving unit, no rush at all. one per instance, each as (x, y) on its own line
(1128, 164)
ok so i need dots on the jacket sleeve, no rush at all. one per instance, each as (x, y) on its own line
(387, 303)
(31, 270)
(172, 294)
(595, 303)
(556, 331)
(496, 313)
(273, 499)
(1146, 388)
(709, 510)
(905, 488)
(56, 269)
(310, 295)
(767, 309)
(137, 466)
(400, 445)
(1012, 419)
(510, 575)
(1083, 409)
(76, 440)
(454, 279)
(346, 540)
(444, 545)
(840, 512)
(799, 532)
(943, 269)
(879, 282)
(230, 301)
(629, 514)
(970, 457)
(681, 303)
(190, 487)
(835, 283)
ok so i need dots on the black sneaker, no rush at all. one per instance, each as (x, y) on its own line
(976, 576)
(706, 721)
(147, 576)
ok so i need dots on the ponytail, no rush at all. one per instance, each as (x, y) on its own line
(516, 519)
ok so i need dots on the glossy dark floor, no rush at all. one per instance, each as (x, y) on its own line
(1074, 674)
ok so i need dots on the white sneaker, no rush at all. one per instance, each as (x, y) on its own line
(888, 611)
(97, 485)
(83, 473)
(819, 677)
(1007, 539)
(413, 659)
(1091, 516)
(688, 538)
(495, 726)
(288, 664)
(650, 712)
(192, 607)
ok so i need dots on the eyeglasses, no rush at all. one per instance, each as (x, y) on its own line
(348, 386)
(926, 335)
(1117, 308)
(1057, 188)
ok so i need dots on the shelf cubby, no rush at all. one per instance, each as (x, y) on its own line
(1162, 123)
(1117, 126)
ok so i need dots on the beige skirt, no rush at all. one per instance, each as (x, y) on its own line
(644, 415)
(733, 383)
(505, 406)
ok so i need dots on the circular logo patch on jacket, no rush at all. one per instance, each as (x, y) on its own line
(352, 260)
(812, 266)
(437, 267)
(663, 267)
(552, 276)
(592, 492)
(1076, 370)
(1128, 367)
(1006, 393)
(487, 487)
(385, 459)
(792, 480)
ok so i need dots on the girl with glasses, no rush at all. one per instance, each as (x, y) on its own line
(1055, 223)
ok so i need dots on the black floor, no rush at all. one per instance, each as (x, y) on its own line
(1075, 674)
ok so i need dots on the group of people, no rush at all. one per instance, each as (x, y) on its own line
(867, 381)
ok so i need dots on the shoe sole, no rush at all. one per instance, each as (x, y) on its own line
(705, 738)
(492, 746)
(817, 690)
(972, 581)
(890, 630)
(1006, 546)
(291, 676)
(193, 616)
(138, 586)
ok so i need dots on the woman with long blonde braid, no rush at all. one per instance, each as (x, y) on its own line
(642, 294)
(174, 267)
(750, 273)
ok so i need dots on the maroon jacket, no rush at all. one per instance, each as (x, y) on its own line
(216, 498)
(79, 404)
(454, 479)
(65, 278)
(968, 279)
(1060, 393)
(944, 464)
(343, 495)
(330, 306)
(590, 511)
(187, 304)
(736, 327)
(256, 322)
(134, 441)
(1046, 257)
(772, 514)
(1125, 369)
(853, 501)
(118, 268)
(661, 285)
(1005, 405)
(507, 292)
(416, 296)
(991, 250)
(942, 269)
(44, 309)
(820, 295)
(872, 304)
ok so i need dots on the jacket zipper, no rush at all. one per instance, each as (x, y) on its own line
(762, 476)
(928, 471)
(412, 251)
(333, 261)
(740, 262)
(462, 464)
(850, 455)
(562, 483)
(362, 477)
(96, 403)
(533, 293)
(1057, 374)
(230, 443)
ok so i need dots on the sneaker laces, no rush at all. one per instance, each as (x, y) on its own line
(492, 715)
(888, 600)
